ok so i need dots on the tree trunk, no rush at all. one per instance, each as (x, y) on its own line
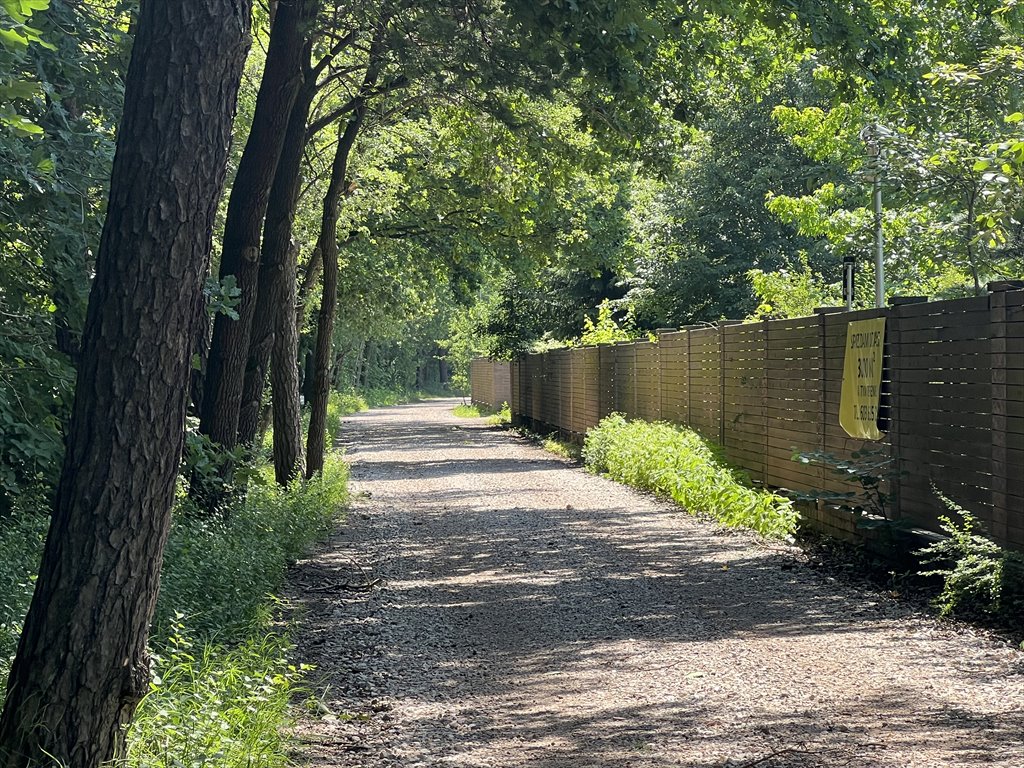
(81, 667)
(274, 295)
(284, 383)
(247, 207)
(328, 247)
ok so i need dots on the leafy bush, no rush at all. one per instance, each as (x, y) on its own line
(979, 576)
(678, 463)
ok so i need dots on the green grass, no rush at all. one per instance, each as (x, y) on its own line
(562, 448)
(679, 464)
(476, 411)
(467, 411)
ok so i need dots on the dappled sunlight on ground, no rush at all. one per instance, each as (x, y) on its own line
(531, 614)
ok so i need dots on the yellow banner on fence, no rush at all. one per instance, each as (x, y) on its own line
(862, 379)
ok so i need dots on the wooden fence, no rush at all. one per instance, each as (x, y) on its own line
(491, 382)
(952, 401)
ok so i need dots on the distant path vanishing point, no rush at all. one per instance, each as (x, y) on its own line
(488, 604)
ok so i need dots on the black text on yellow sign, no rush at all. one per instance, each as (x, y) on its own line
(862, 379)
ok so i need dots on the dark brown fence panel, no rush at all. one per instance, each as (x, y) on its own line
(744, 420)
(1008, 416)
(793, 402)
(675, 376)
(481, 378)
(590, 410)
(516, 386)
(944, 357)
(705, 360)
(539, 395)
(606, 386)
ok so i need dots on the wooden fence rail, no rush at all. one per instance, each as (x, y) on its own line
(952, 401)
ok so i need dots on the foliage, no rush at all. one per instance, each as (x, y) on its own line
(215, 705)
(979, 576)
(501, 417)
(870, 468)
(218, 571)
(21, 546)
(467, 411)
(552, 444)
(678, 463)
(606, 330)
(791, 293)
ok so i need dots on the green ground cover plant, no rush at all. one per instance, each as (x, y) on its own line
(222, 680)
(679, 464)
(467, 411)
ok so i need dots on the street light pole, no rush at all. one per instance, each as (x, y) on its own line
(871, 135)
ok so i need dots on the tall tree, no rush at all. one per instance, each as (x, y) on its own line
(81, 667)
(247, 207)
(327, 245)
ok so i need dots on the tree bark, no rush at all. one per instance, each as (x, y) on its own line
(284, 383)
(247, 207)
(81, 667)
(328, 246)
(273, 293)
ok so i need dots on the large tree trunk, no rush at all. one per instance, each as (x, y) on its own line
(247, 207)
(328, 247)
(81, 667)
(274, 295)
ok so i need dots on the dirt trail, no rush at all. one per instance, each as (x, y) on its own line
(530, 614)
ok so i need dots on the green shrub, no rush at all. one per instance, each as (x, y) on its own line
(978, 576)
(678, 463)
(467, 411)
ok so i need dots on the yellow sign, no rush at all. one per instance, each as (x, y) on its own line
(862, 379)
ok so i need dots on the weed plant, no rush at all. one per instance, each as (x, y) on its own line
(979, 578)
(502, 417)
(678, 463)
(222, 682)
(218, 571)
(214, 705)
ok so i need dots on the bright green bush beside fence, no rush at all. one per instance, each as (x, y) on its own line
(678, 463)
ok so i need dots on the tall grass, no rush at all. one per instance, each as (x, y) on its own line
(678, 463)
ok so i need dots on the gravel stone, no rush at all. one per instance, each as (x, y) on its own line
(489, 604)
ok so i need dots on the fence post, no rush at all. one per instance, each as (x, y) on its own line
(1000, 501)
(895, 427)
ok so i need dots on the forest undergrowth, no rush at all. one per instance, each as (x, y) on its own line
(223, 679)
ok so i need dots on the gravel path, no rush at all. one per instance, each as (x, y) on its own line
(521, 612)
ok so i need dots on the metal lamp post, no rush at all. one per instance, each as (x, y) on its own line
(872, 135)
